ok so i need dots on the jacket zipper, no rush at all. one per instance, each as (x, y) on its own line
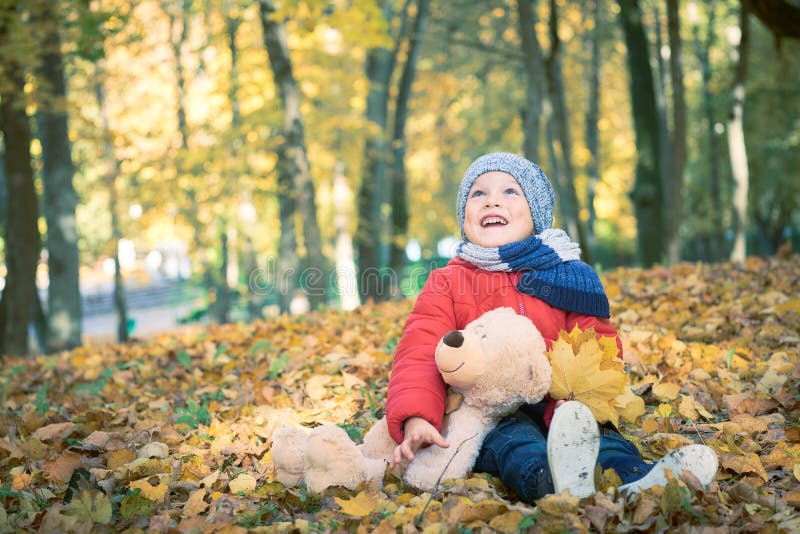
(520, 303)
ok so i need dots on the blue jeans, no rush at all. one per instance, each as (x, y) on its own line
(516, 452)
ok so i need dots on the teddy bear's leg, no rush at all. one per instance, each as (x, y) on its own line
(332, 459)
(288, 455)
(377, 441)
(377, 449)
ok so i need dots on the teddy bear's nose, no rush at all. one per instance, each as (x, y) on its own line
(454, 339)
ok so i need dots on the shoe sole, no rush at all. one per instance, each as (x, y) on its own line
(700, 460)
(573, 443)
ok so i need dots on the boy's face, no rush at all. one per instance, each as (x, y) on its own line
(497, 212)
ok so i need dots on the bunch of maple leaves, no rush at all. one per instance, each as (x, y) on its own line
(173, 434)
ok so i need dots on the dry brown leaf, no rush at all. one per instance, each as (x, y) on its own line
(195, 504)
(744, 464)
(507, 522)
(54, 431)
(60, 470)
(558, 504)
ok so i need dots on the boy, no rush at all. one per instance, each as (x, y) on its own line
(511, 257)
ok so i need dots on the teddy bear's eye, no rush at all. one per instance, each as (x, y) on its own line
(484, 337)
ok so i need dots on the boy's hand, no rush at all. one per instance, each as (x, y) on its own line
(418, 432)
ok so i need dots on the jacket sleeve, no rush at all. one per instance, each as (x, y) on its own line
(416, 387)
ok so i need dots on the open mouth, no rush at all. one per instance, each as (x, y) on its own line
(493, 220)
(453, 370)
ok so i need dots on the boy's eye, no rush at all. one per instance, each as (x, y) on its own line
(477, 193)
(512, 191)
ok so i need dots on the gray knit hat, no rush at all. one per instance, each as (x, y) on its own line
(535, 185)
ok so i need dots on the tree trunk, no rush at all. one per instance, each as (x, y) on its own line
(222, 303)
(736, 144)
(592, 41)
(222, 289)
(177, 43)
(293, 153)
(231, 28)
(647, 193)
(372, 193)
(678, 144)
(534, 67)
(702, 51)
(288, 263)
(399, 189)
(660, 84)
(120, 296)
(64, 298)
(113, 165)
(178, 12)
(562, 138)
(345, 263)
(22, 240)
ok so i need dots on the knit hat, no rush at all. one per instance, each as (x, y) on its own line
(535, 185)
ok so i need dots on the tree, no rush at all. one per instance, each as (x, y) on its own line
(674, 193)
(716, 241)
(647, 194)
(22, 239)
(110, 181)
(534, 66)
(592, 133)
(380, 65)
(60, 200)
(399, 186)
(559, 137)
(782, 17)
(736, 142)
(292, 155)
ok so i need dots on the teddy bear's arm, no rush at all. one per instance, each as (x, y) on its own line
(464, 430)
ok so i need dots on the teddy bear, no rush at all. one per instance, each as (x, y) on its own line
(495, 364)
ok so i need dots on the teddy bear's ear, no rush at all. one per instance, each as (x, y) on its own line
(453, 401)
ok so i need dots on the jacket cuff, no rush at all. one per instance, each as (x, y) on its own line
(549, 411)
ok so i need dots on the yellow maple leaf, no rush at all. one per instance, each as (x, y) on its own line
(587, 371)
(629, 405)
(361, 505)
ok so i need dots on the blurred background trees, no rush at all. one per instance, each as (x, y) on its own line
(242, 148)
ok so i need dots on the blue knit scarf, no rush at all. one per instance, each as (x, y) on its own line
(552, 270)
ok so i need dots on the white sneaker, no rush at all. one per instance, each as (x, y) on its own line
(573, 443)
(699, 460)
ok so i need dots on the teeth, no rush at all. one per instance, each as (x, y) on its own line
(493, 220)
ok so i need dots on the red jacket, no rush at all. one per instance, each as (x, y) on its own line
(452, 297)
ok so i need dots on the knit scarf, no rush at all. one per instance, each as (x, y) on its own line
(551, 267)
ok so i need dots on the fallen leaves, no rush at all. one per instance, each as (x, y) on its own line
(174, 434)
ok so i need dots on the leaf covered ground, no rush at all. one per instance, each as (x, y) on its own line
(173, 434)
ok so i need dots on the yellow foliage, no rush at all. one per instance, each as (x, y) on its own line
(587, 369)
